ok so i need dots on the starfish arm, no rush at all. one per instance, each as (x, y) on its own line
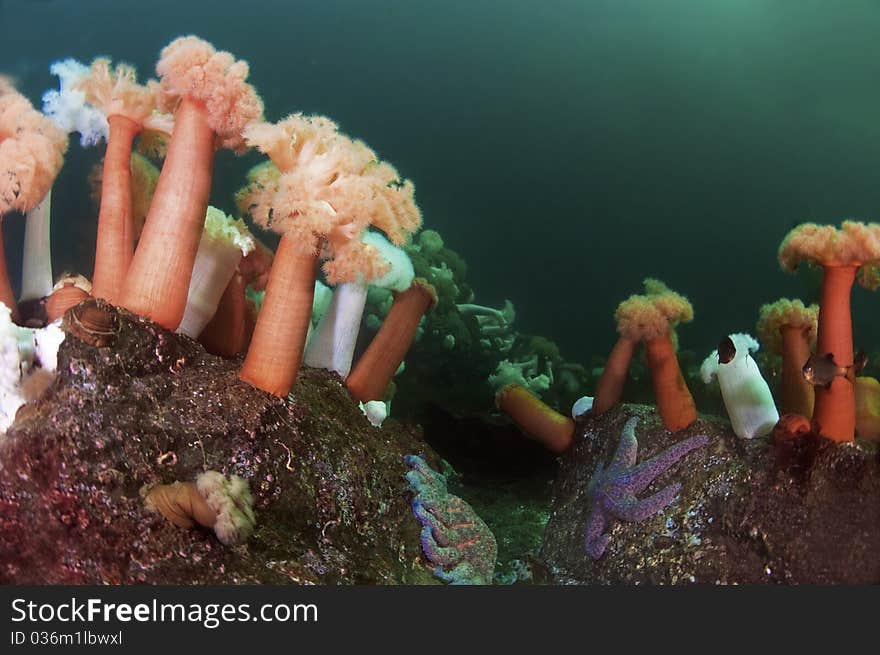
(638, 478)
(426, 516)
(621, 506)
(657, 502)
(416, 479)
(446, 514)
(627, 449)
(436, 553)
(460, 574)
(596, 548)
(596, 523)
(594, 539)
(419, 465)
(629, 508)
(423, 476)
(422, 514)
(437, 508)
(597, 477)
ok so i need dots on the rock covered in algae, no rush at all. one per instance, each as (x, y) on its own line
(141, 406)
(743, 515)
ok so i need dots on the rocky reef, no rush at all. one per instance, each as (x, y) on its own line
(135, 406)
(747, 511)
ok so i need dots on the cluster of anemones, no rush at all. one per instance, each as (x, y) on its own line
(845, 254)
(162, 252)
(650, 318)
(837, 408)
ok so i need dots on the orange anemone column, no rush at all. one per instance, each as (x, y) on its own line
(797, 393)
(610, 387)
(276, 349)
(63, 299)
(834, 412)
(182, 504)
(370, 376)
(674, 401)
(536, 418)
(225, 334)
(114, 248)
(158, 279)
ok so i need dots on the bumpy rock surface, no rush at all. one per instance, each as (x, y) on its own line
(331, 500)
(747, 512)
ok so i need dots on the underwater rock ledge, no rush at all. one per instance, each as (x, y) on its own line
(744, 515)
(144, 406)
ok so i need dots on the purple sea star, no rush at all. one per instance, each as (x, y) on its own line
(454, 538)
(612, 491)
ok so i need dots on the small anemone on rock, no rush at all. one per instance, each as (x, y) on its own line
(213, 501)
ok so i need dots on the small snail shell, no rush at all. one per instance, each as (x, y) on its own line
(93, 322)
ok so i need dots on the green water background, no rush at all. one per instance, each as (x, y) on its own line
(566, 149)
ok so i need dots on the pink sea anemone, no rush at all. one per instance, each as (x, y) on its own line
(31, 154)
(844, 253)
(129, 108)
(321, 193)
(212, 103)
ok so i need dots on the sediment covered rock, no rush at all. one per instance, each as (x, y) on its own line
(135, 406)
(747, 512)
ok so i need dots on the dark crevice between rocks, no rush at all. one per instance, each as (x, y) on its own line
(505, 476)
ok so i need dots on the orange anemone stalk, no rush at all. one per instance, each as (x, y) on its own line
(129, 108)
(158, 279)
(609, 390)
(256, 265)
(651, 317)
(230, 330)
(115, 243)
(538, 420)
(674, 400)
(374, 370)
(65, 295)
(212, 104)
(788, 327)
(834, 408)
(143, 176)
(797, 393)
(321, 191)
(840, 253)
(225, 334)
(276, 349)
